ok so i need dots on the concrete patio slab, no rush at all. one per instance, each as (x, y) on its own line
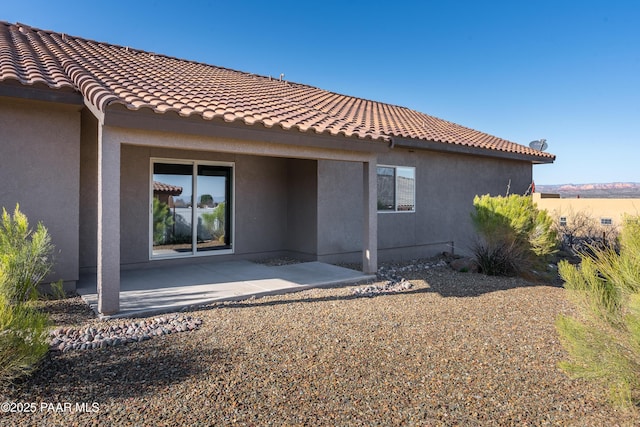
(151, 291)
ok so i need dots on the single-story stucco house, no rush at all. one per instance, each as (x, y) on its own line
(92, 134)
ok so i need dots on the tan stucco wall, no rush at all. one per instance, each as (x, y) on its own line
(340, 209)
(273, 183)
(302, 208)
(260, 200)
(88, 189)
(615, 209)
(39, 169)
(314, 207)
(445, 187)
(274, 201)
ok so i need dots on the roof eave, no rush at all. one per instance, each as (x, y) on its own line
(118, 115)
(474, 151)
(13, 89)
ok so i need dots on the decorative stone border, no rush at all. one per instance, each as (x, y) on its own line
(111, 335)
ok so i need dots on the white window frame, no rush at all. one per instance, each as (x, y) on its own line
(563, 221)
(395, 210)
(194, 212)
(606, 221)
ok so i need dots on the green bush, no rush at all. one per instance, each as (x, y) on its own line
(23, 339)
(25, 257)
(162, 222)
(57, 290)
(214, 221)
(603, 339)
(514, 235)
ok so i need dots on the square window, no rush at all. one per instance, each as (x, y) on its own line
(396, 188)
(563, 221)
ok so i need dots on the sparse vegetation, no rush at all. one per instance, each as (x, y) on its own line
(57, 290)
(603, 339)
(25, 259)
(579, 232)
(23, 334)
(514, 235)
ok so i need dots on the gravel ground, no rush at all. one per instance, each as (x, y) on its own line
(454, 349)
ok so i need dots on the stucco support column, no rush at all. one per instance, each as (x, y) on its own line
(370, 218)
(108, 223)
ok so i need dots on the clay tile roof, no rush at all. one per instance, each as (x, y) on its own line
(161, 187)
(25, 57)
(106, 74)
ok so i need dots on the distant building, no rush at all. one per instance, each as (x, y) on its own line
(606, 212)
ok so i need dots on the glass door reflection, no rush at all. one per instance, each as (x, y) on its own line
(172, 209)
(213, 207)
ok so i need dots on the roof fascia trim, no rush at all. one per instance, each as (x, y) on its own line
(95, 111)
(474, 151)
(40, 94)
(195, 125)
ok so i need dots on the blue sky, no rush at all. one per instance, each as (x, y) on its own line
(566, 71)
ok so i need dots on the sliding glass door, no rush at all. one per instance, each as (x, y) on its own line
(213, 213)
(191, 208)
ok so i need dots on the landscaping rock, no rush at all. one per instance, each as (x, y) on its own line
(64, 340)
(456, 349)
(392, 273)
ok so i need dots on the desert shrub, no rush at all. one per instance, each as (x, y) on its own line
(25, 257)
(57, 290)
(23, 339)
(514, 235)
(214, 221)
(603, 338)
(162, 221)
(500, 257)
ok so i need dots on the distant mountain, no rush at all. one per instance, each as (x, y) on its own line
(613, 190)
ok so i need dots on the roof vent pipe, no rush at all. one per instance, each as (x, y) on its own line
(281, 76)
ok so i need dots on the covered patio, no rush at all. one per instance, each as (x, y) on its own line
(284, 195)
(151, 291)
